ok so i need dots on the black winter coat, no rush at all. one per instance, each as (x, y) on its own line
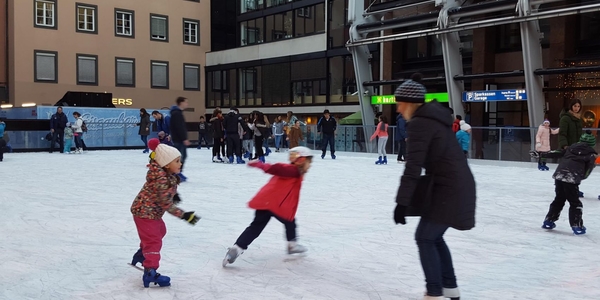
(577, 164)
(231, 122)
(217, 127)
(177, 125)
(432, 146)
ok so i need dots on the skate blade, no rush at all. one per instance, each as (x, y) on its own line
(139, 268)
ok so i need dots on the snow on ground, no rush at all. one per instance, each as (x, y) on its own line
(67, 233)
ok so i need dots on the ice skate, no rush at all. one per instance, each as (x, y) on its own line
(578, 230)
(379, 161)
(548, 224)
(261, 158)
(295, 248)
(580, 194)
(240, 161)
(453, 293)
(333, 156)
(150, 275)
(230, 159)
(138, 257)
(384, 160)
(232, 254)
(217, 159)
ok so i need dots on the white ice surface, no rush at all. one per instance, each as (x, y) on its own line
(67, 233)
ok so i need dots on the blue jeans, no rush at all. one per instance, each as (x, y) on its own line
(328, 139)
(183, 150)
(435, 257)
(278, 141)
(145, 140)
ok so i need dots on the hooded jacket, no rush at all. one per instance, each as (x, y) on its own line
(542, 138)
(570, 129)
(433, 146)
(156, 196)
(577, 164)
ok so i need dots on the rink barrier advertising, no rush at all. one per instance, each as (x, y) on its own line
(494, 95)
(107, 127)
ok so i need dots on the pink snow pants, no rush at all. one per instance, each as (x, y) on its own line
(151, 233)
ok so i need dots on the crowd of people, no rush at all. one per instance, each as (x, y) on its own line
(63, 132)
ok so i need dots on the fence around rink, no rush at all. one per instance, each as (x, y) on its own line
(493, 143)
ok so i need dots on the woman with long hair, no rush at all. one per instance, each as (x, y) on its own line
(144, 130)
(382, 134)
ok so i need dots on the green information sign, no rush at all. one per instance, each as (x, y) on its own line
(391, 99)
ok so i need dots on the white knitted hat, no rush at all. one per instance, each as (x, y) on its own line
(298, 152)
(165, 154)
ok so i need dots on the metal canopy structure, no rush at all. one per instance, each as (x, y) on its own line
(446, 17)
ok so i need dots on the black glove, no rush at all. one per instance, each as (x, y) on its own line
(190, 217)
(176, 199)
(399, 214)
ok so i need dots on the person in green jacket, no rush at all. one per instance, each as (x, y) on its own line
(570, 125)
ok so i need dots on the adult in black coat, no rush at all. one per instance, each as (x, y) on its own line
(144, 125)
(445, 197)
(232, 124)
(58, 123)
(179, 134)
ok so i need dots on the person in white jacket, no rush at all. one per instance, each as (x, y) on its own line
(542, 143)
(78, 132)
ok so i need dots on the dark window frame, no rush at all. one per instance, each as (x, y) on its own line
(197, 43)
(95, 8)
(54, 18)
(78, 55)
(198, 67)
(117, 72)
(132, 12)
(152, 62)
(166, 40)
(35, 77)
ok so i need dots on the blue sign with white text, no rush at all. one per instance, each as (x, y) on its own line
(499, 95)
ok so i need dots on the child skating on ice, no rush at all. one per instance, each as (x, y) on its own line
(158, 195)
(542, 143)
(68, 138)
(576, 165)
(278, 198)
(381, 133)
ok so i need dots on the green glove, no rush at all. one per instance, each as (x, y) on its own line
(190, 217)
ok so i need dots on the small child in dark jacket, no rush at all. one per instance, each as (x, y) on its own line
(202, 131)
(576, 165)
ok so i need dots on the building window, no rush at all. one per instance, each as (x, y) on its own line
(251, 5)
(248, 83)
(86, 18)
(304, 12)
(190, 31)
(251, 32)
(125, 72)
(87, 69)
(279, 26)
(124, 21)
(509, 37)
(46, 66)
(45, 13)
(191, 77)
(219, 81)
(160, 74)
(159, 28)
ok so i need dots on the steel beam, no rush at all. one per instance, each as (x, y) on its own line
(581, 9)
(453, 65)
(361, 57)
(532, 60)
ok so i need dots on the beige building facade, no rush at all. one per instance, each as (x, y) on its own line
(145, 53)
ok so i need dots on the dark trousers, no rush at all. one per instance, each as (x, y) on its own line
(566, 192)
(258, 146)
(217, 146)
(234, 144)
(183, 150)
(202, 137)
(435, 257)
(261, 219)
(145, 140)
(328, 139)
(2, 148)
(401, 150)
(58, 136)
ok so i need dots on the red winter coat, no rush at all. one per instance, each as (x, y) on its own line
(456, 125)
(282, 193)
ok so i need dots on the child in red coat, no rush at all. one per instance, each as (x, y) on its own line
(278, 198)
(158, 195)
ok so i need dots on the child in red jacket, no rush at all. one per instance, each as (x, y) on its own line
(158, 195)
(278, 198)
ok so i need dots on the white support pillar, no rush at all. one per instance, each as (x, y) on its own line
(453, 63)
(362, 67)
(532, 60)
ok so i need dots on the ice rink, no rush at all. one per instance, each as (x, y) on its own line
(67, 233)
